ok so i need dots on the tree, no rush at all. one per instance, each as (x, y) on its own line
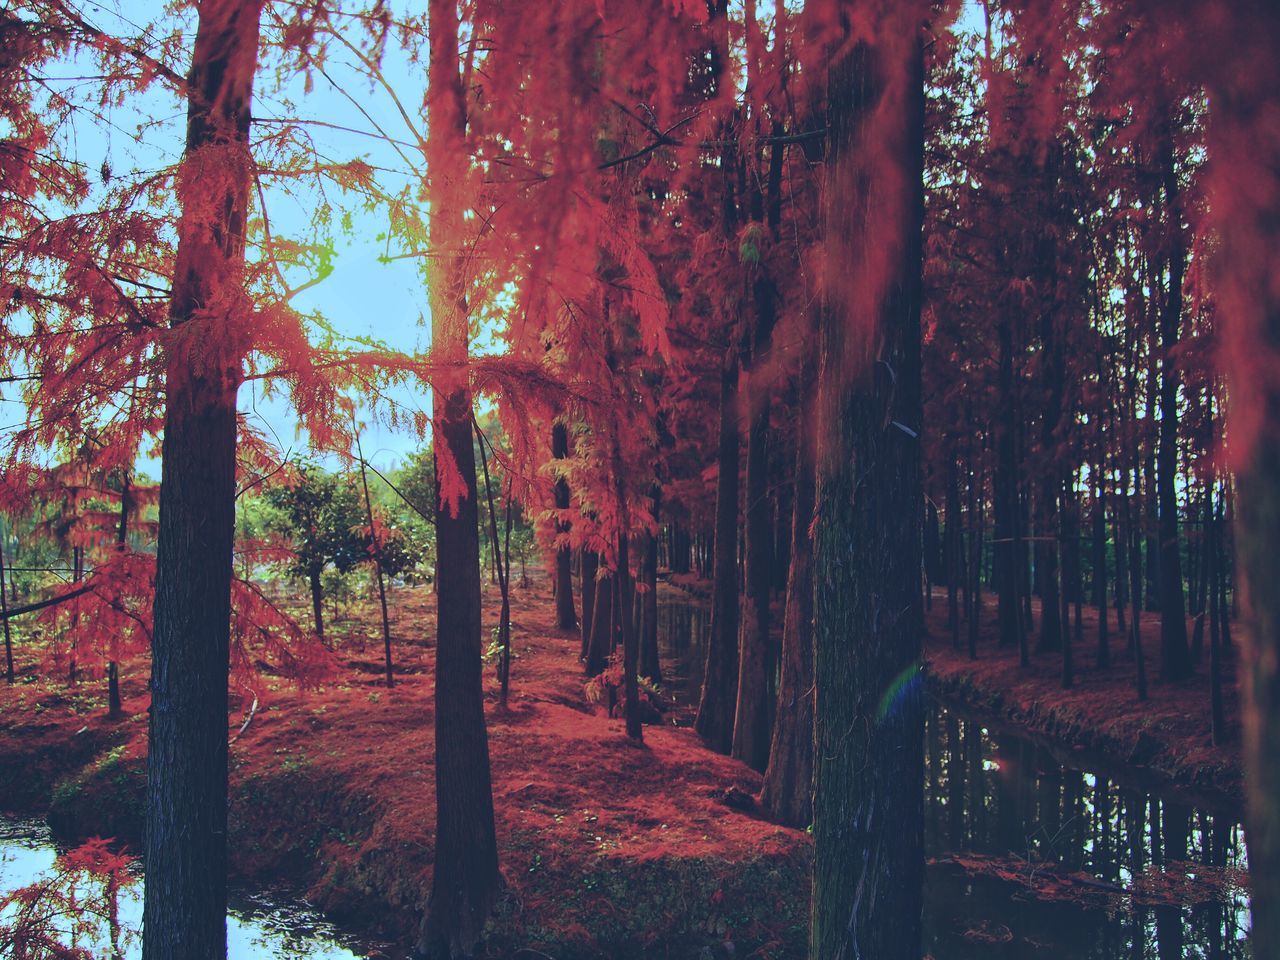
(185, 909)
(869, 712)
(321, 514)
(465, 881)
(1245, 153)
(566, 615)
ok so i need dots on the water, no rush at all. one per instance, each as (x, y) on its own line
(258, 925)
(1008, 822)
(682, 644)
(994, 802)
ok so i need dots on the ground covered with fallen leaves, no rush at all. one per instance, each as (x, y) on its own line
(607, 848)
(1169, 735)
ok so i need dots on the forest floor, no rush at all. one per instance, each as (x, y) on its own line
(1168, 735)
(607, 848)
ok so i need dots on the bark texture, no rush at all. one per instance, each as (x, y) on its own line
(185, 851)
(869, 710)
(566, 615)
(465, 881)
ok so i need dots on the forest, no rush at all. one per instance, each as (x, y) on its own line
(640, 478)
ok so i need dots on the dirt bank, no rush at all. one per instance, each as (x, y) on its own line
(607, 849)
(1168, 736)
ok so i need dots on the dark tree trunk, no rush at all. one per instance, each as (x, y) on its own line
(868, 619)
(602, 627)
(502, 563)
(787, 793)
(1122, 565)
(590, 567)
(566, 615)
(317, 599)
(1005, 484)
(976, 536)
(1218, 720)
(757, 663)
(1103, 659)
(185, 851)
(953, 545)
(720, 678)
(630, 642)
(465, 879)
(1249, 224)
(1175, 656)
(4, 612)
(650, 661)
(758, 653)
(376, 543)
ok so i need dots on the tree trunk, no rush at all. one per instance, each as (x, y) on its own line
(953, 546)
(650, 662)
(465, 880)
(1175, 656)
(1103, 659)
(868, 620)
(720, 678)
(602, 627)
(377, 568)
(317, 599)
(185, 850)
(630, 641)
(1005, 483)
(566, 615)
(4, 612)
(590, 566)
(787, 793)
(1247, 210)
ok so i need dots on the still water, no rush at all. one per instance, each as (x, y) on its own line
(1038, 855)
(258, 925)
(1034, 854)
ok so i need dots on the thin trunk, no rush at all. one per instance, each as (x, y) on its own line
(1218, 719)
(115, 708)
(602, 626)
(566, 615)
(317, 599)
(504, 574)
(1005, 489)
(1103, 659)
(1175, 656)
(787, 793)
(954, 545)
(650, 662)
(377, 566)
(590, 566)
(976, 485)
(4, 612)
(630, 643)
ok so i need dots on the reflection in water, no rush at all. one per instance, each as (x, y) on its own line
(257, 926)
(683, 628)
(1000, 796)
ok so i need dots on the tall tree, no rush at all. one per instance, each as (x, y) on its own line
(185, 890)
(1243, 77)
(1175, 655)
(869, 711)
(465, 880)
(787, 792)
(566, 615)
